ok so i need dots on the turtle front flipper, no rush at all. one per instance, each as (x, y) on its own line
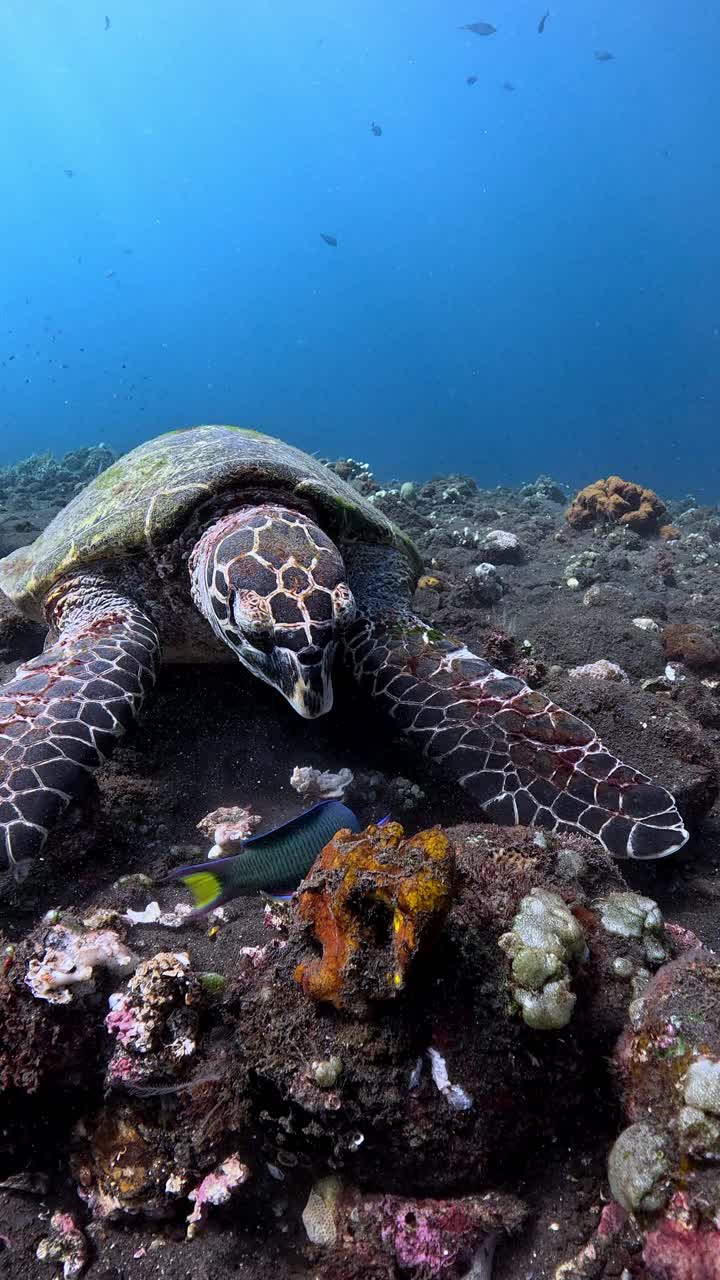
(62, 712)
(523, 758)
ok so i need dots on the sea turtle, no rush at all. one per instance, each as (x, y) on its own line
(219, 539)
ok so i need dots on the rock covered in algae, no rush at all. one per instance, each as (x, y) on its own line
(129, 1163)
(665, 1166)
(356, 1236)
(435, 1081)
(371, 904)
(53, 988)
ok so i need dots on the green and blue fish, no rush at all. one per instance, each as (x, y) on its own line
(273, 862)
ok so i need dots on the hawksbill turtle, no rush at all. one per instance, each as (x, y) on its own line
(218, 540)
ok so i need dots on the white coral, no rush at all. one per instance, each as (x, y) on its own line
(314, 784)
(70, 959)
(216, 1188)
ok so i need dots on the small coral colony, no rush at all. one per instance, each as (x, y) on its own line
(368, 1026)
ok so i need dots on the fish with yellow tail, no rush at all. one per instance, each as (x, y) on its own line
(272, 862)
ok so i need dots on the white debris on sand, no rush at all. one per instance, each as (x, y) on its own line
(500, 546)
(314, 784)
(152, 914)
(646, 624)
(600, 670)
(457, 1098)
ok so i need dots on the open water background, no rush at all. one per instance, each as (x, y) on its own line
(525, 280)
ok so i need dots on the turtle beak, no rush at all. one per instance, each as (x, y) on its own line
(305, 679)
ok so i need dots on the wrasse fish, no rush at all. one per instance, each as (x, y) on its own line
(273, 861)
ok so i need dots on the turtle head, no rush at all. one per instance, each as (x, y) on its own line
(273, 587)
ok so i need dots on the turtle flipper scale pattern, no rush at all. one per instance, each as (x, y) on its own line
(523, 758)
(62, 712)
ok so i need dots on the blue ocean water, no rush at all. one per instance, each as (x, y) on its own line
(524, 279)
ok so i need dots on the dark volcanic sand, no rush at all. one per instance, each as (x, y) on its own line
(215, 736)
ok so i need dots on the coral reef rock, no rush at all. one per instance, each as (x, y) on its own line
(617, 501)
(396, 1037)
(51, 986)
(499, 546)
(127, 1163)
(599, 670)
(383, 1237)
(665, 1166)
(155, 1021)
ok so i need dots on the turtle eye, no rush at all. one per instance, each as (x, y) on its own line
(262, 640)
(343, 603)
(252, 615)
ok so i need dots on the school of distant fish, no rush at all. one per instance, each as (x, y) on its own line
(477, 29)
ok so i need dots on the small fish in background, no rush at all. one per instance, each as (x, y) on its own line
(543, 20)
(109, 275)
(331, 240)
(376, 129)
(107, 23)
(508, 87)
(604, 55)
(479, 28)
(69, 173)
(471, 80)
(273, 862)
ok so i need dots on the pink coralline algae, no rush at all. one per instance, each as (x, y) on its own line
(430, 1234)
(677, 1249)
(361, 1235)
(121, 1022)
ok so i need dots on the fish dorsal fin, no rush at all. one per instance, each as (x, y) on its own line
(287, 828)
